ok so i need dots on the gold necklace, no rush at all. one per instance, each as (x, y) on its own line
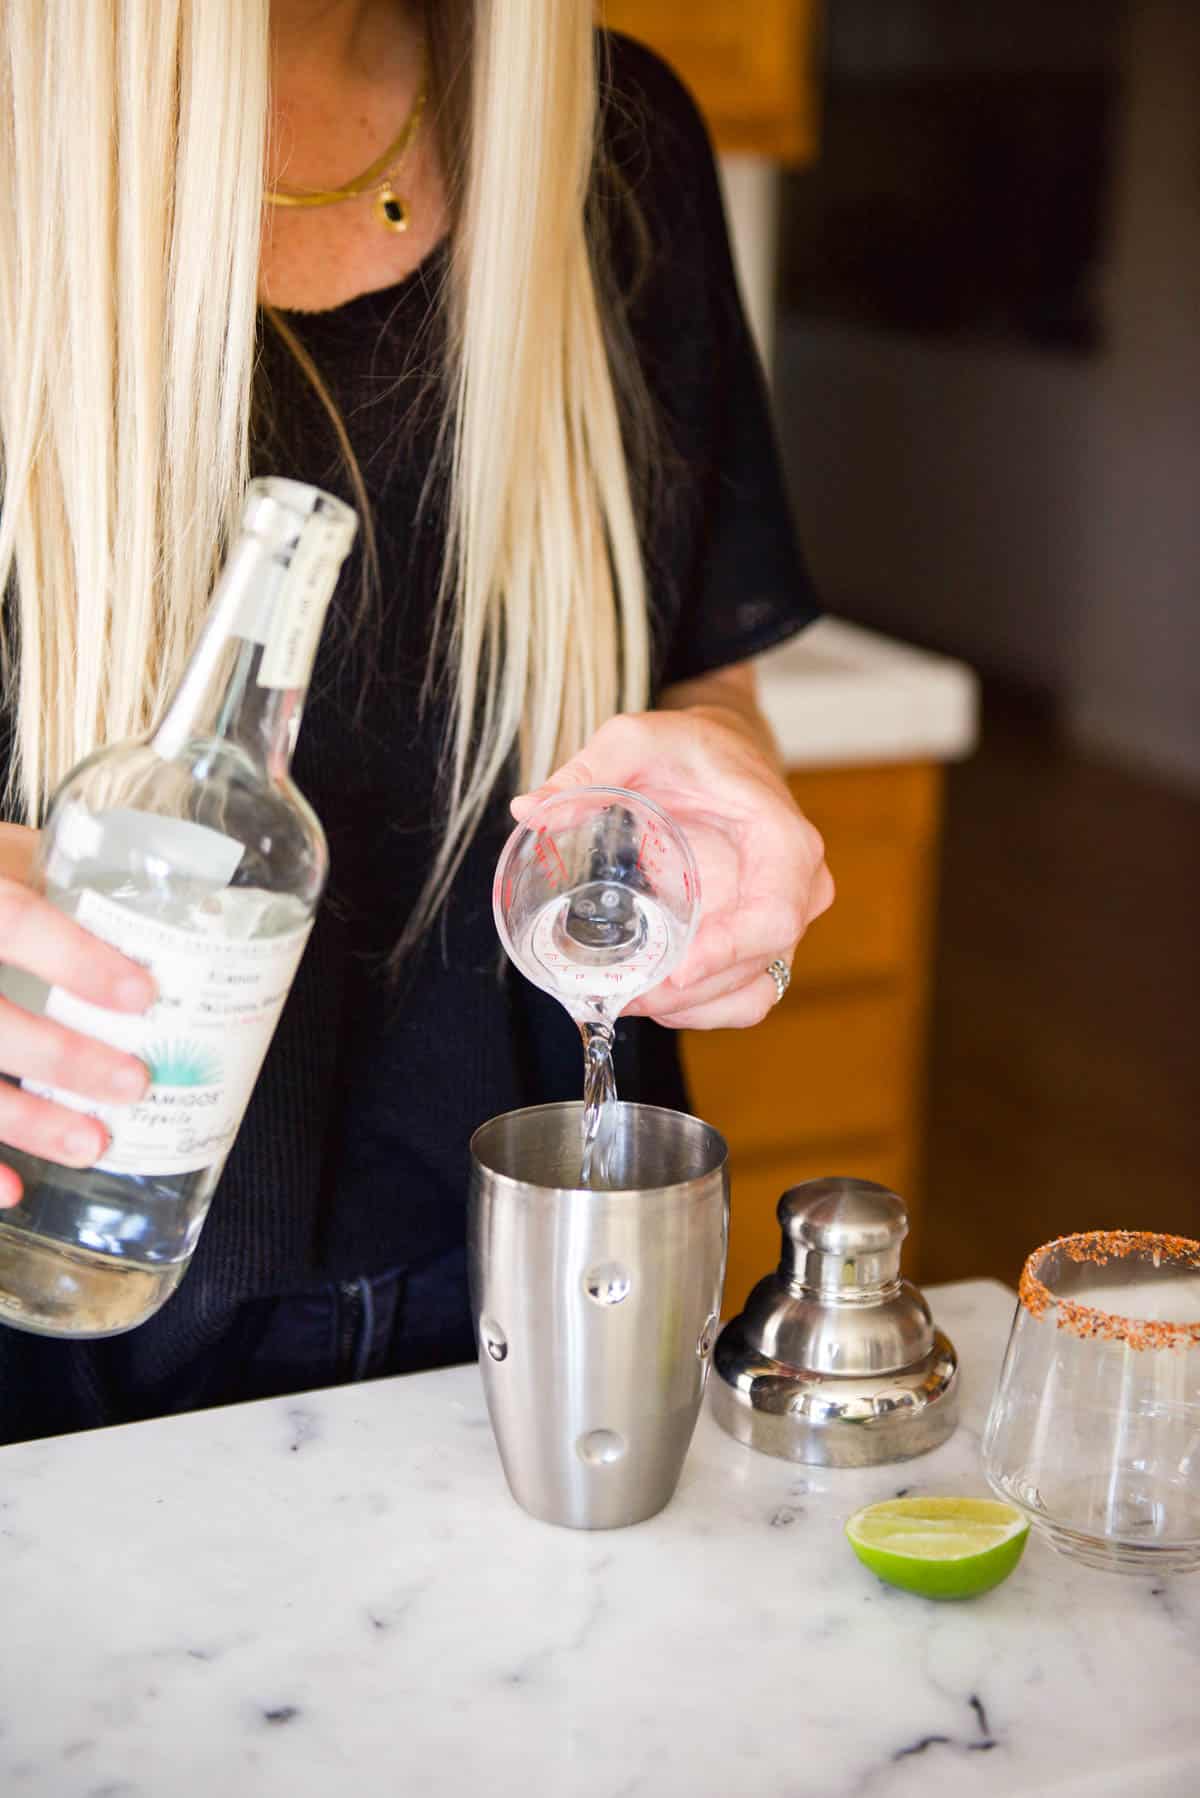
(390, 208)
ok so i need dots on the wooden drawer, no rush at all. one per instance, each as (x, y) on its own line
(830, 1081)
(752, 71)
(872, 931)
(896, 801)
(824, 1067)
(880, 827)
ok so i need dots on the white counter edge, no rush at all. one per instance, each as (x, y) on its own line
(839, 695)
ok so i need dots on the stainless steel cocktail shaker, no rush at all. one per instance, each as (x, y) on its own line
(596, 1309)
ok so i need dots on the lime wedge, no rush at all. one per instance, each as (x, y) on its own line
(939, 1547)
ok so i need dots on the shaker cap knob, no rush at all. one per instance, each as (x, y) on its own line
(838, 1216)
(840, 1230)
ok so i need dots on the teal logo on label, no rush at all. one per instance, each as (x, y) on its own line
(184, 1062)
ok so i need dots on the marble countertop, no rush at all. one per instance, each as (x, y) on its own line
(336, 1594)
(838, 695)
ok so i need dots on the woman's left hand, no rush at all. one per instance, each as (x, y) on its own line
(763, 877)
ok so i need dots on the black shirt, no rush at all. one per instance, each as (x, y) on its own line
(353, 1155)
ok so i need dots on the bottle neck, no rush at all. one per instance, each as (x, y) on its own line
(264, 722)
(247, 677)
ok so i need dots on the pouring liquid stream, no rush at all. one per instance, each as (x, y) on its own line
(599, 946)
(599, 1096)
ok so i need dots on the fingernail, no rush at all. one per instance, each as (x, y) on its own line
(129, 1083)
(135, 992)
(80, 1145)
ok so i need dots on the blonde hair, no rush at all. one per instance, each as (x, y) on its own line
(131, 185)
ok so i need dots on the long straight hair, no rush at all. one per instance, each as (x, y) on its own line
(132, 138)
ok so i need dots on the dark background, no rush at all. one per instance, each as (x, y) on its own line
(987, 376)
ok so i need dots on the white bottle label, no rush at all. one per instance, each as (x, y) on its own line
(299, 612)
(124, 838)
(203, 1040)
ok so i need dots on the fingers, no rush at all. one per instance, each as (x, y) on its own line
(822, 893)
(664, 754)
(762, 863)
(47, 1130)
(736, 1011)
(36, 936)
(575, 774)
(748, 933)
(39, 939)
(794, 886)
(36, 1048)
(17, 845)
(675, 996)
(620, 753)
(578, 772)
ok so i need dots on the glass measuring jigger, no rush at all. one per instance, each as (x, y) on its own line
(596, 899)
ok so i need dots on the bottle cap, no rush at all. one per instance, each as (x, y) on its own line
(278, 512)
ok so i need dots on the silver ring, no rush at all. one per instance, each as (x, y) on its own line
(781, 974)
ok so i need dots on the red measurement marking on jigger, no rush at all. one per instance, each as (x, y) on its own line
(651, 852)
(554, 870)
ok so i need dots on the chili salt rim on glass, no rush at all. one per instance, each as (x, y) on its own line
(1089, 1321)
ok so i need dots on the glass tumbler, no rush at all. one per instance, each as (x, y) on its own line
(1094, 1429)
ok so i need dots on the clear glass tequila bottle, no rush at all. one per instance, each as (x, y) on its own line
(192, 851)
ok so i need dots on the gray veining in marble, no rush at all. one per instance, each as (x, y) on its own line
(336, 1593)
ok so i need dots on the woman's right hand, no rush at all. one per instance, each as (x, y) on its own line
(37, 937)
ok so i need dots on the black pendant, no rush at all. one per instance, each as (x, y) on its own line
(391, 210)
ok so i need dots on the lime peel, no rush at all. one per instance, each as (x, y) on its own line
(939, 1547)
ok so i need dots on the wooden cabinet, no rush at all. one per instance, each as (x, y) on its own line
(831, 1081)
(751, 67)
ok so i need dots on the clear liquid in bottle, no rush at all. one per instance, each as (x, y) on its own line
(193, 853)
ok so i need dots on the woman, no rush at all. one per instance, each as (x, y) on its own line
(515, 345)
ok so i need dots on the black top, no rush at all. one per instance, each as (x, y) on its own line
(353, 1155)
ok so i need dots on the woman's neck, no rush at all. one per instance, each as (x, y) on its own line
(345, 37)
(344, 77)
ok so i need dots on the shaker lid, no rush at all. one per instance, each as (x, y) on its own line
(841, 1232)
(835, 1358)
